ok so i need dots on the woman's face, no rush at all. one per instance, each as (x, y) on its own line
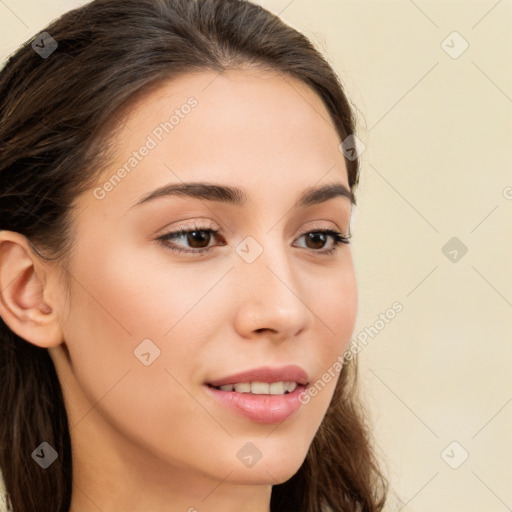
(147, 328)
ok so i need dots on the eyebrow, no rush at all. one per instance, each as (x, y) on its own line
(237, 197)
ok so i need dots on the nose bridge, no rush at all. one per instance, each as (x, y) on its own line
(267, 287)
(264, 259)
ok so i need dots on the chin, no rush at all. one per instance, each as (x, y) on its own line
(275, 468)
(264, 475)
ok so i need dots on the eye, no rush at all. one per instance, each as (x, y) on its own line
(198, 239)
(316, 240)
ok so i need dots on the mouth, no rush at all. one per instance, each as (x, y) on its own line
(264, 395)
(269, 403)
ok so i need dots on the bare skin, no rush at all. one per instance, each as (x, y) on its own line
(150, 437)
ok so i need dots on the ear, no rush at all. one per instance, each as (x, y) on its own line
(24, 284)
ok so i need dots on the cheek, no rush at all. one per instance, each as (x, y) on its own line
(333, 301)
(142, 402)
(335, 308)
(139, 294)
(118, 302)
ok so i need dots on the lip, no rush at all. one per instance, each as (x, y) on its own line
(259, 408)
(290, 373)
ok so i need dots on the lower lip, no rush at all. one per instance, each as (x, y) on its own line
(260, 408)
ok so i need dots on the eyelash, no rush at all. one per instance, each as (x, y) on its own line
(337, 236)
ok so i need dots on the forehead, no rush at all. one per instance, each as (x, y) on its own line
(237, 111)
(252, 128)
(252, 87)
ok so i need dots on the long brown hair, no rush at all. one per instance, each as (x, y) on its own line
(57, 114)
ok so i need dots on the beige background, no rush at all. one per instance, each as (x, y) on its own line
(437, 165)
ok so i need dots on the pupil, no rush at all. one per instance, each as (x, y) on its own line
(201, 236)
(315, 237)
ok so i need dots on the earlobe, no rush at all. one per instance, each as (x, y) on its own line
(22, 292)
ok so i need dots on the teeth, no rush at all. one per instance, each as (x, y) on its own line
(244, 387)
(291, 386)
(277, 388)
(261, 388)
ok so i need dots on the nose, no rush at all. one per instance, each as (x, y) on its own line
(269, 299)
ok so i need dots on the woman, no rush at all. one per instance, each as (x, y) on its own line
(177, 283)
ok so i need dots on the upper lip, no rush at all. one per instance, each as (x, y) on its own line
(290, 373)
